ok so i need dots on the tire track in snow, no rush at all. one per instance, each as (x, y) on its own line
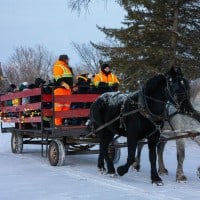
(114, 183)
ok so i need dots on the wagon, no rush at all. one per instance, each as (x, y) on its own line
(32, 123)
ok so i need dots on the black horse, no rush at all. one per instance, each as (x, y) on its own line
(138, 115)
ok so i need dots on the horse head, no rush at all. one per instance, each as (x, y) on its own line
(179, 91)
(170, 88)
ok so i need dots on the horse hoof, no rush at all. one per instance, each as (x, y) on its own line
(181, 179)
(163, 172)
(136, 167)
(157, 183)
(102, 170)
(113, 175)
(121, 170)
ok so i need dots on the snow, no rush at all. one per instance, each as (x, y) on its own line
(30, 176)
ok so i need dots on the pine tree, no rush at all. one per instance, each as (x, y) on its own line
(155, 36)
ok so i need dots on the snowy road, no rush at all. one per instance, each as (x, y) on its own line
(30, 176)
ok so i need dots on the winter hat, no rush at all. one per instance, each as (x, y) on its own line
(23, 86)
(39, 82)
(103, 66)
(11, 88)
(63, 57)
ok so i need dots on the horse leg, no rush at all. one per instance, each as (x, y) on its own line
(131, 145)
(104, 143)
(100, 164)
(109, 162)
(161, 166)
(136, 164)
(152, 141)
(180, 145)
(197, 140)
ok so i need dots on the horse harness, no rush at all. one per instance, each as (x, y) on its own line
(143, 109)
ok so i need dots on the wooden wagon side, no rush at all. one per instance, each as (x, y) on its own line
(32, 123)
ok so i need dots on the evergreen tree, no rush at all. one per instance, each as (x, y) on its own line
(155, 36)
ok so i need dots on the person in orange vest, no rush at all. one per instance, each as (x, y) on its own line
(105, 80)
(63, 76)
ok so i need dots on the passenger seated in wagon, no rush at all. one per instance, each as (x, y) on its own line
(82, 85)
(105, 80)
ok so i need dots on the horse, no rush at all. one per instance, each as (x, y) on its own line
(136, 115)
(188, 120)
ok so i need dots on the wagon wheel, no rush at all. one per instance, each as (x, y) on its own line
(114, 152)
(16, 143)
(56, 153)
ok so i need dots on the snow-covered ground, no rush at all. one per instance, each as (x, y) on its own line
(30, 176)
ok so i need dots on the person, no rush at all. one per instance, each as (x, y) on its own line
(105, 80)
(23, 87)
(63, 76)
(84, 82)
(10, 89)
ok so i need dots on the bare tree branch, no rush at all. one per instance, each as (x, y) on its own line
(27, 64)
(89, 56)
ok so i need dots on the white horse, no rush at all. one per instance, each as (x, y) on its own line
(178, 122)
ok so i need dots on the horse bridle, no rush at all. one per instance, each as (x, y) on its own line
(172, 94)
(145, 111)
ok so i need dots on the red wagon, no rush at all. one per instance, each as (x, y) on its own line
(32, 123)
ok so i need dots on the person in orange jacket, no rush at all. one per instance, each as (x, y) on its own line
(63, 76)
(105, 80)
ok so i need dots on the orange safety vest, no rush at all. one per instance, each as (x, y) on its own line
(61, 70)
(101, 77)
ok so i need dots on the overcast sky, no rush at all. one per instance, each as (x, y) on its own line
(51, 23)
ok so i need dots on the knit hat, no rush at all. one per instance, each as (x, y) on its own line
(63, 57)
(103, 66)
(39, 82)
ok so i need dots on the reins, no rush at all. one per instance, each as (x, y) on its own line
(111, 121)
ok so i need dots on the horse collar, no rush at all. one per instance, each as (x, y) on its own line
(143, 106)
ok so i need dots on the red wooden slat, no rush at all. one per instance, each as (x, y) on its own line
(76, 98)
(47, 112)
(33, 106)
(25, 120)
(22, 94)
(46, 98)
(72, 113)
